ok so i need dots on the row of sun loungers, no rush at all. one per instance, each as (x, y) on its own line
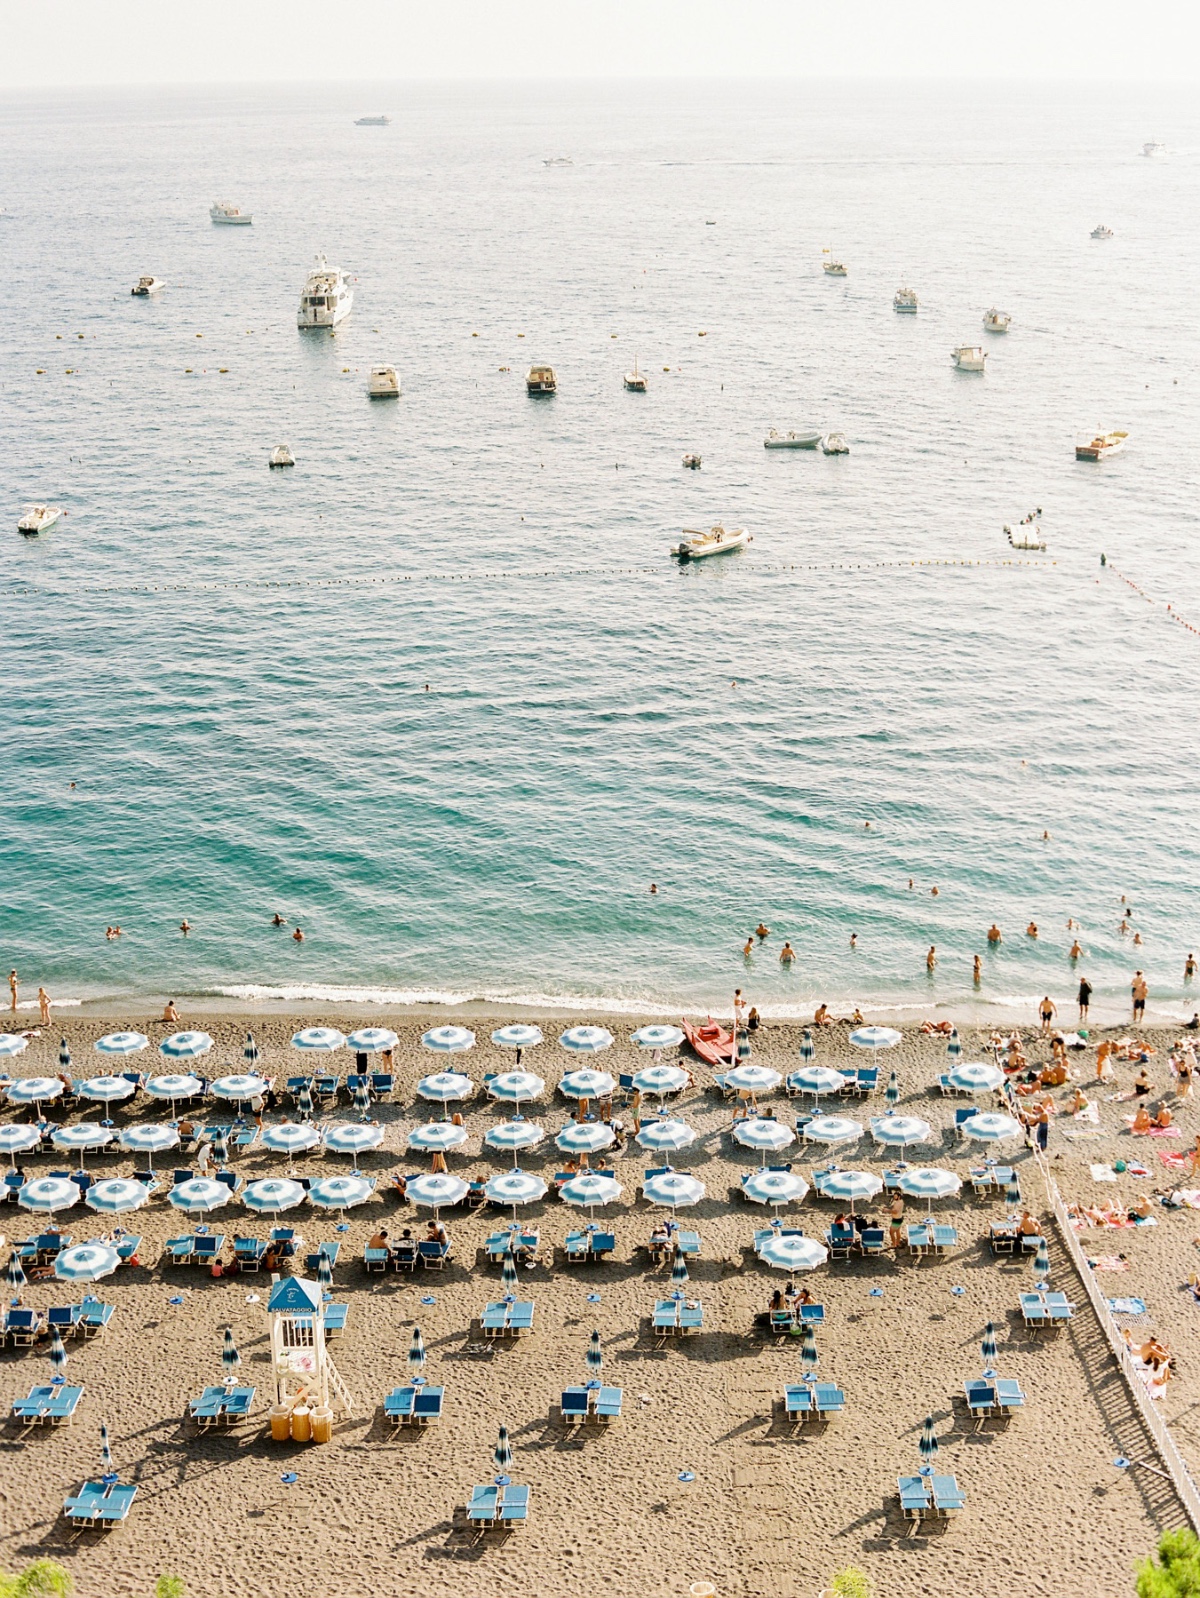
(23, 1327)
(47, 1406)
(928, 1498)
(99, 1505)
(221, 1406)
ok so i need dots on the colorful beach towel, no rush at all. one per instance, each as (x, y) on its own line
(1153, 1131)
(1103, 1173)
(1128, 1308)
(1179, 1161)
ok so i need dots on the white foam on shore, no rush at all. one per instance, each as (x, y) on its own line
(55, 1004)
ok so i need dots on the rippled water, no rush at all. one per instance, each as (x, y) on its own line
(463, 783)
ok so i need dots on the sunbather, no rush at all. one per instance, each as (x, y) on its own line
(1141, 1121)
(437, 1233)
(1142, 1085)
(1163, 1118)
(400, 1185)
(1030, 1226)
(380, 1240)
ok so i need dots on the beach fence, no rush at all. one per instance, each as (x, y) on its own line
(1172, 1460)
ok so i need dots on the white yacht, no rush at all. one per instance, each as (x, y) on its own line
(1101, 447)
(905, 301)
(1154, 151)
(383, 383)
(372, 122)
(969, 357)
(835, 444)
(1102, 232)
(230, 215)
(38, 517)
(695, 545)
(282, 456)
(635, 381)
(833, 268)
(327, 296)
(146, 285)
(806, 438)
(541, 380)
(995, 321)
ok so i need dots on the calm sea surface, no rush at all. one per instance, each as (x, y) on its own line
(463, 784)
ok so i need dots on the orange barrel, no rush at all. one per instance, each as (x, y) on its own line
(281, 1422)
(322, 1424)
(301, 1424)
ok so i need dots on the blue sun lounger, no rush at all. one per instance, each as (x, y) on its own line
(413, 1406)
(1033, 1310)
(574, 1407)
(948, 1496)
(220, 1406)
(981, 1399)
(47, 1406)
(65, 1317)
(22, 1326)
(376, 1259)
(98, 1505)
(335, 1319)
(1009, 1395)
(916, 1500)
(94, 1316)
(498, 1506)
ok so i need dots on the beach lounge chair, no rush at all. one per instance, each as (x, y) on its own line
(606, 1404)
(382, 1084)
(1033, 1310)
(65, 1317)
(180, 1176)
(1002, 1237)
(872, 1240)
(1009, 1395)
(335, 1319)
(948, 1497)
(47, 1406)
(798, 1403)
(221, 1406)
(128, 1247)
(329, 1250)
(326, 1086)
(840, 1240)
(573, 1406)
(21, 1327)
(915, 1499)
(207, 1245)
(1058, 1308)
(944, 1237)
(405, 1255)
(294, 1084)
(433, 1255)
(828, 1399)
(498, 1506)
(811, 1314)
(375, 1259)
(576, 1247)
(94, 1316)
(960, 1116)
(246, 1138)
(249, 1251)
(413, 1406)
(781, 1322)
(981, 1400)
(98, 1505)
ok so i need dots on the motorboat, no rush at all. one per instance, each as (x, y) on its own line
(230, 215)
(541, 380)
(383, 383)
(1102, 232)
(1154, 151)
(693, 461)
(1027, 534)
(905, 301)
(833, 268)
(969, 357)
(282, 456)
(558, 160)
(717, 541)
(835, 444)
(995, 321)
(806, 438)
(146, 285)
(711, 1042)
(38, 518)
(327, 297)
(635, 381)
(371, 122)
(1100, 447)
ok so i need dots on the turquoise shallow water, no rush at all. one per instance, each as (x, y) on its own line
(239, 747)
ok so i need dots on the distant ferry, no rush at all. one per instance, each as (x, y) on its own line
(230, 215)
(1154, 150)
(371, 122)
(1100, 447)
(905, 301)
(541, 380)
(327, 296)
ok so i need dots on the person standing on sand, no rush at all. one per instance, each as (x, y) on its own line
(13, 980)
(1085, 997)
(44, 1006)
(1141, 993)
(1047, 1011)
(739, 1007)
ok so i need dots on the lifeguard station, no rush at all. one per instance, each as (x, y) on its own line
(305, 1375)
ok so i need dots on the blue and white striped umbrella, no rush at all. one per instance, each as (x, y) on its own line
(928, 1182)
(107, 1089)
(15, 1139)
(763, 1133)
(34, 1090)
(373, 1040)
(199, 1195)
(679, 1270)
(595, 1355)
(818, 1079)
(416, 1353)
(976, 1076)
(585, 1039)
(437, 1135)
(64, 1055)
(508, 1272)
(436, 1188)
(12, 1044)
(47, 1194)
(833, 1129)
(792, 1253)
(362, 1098)
(808, 1049)
(929, 1442)
(672, 1188)
(752, 1079)
(586, 1189)
(230, 1358)
(516, 1087)
(83, 1135)
(273, 1194)
(875, 1037)
(122, 1043)
(449, 1039)
(324, 1271)
(86, 1262)
(340, 1192)
(665, 1135)
(350, 1139)
(586, 1084)
(658, 1037)
(991, 1127)
(808, 1350)
(14, 1276)
(148, 1138)
(318, 1039)
(774, 1187)
(1012, 1191)
(849, 1186)
(1041, 1260)
(57, 1353)
(898, 1131)
(250, 1051)
(106, 1458)
(513, 1135)
(444, 1086)
(239, 1088)
(893, 1089)
(174, 1087)
(988, 1347)
(517, 1036)
(304, 1100)
(661, 1079)
(115, 1195)
(502, 1453)
(290, 1137)
(585, 1137)
(515, 1187)
(185, 1045)
(743, 1047)
(954, 1047)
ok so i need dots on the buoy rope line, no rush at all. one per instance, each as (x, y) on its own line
(1172, 613)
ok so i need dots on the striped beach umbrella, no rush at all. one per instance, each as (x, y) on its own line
(586, 1190)
(673, 1188)
(86, 1262)
(115, 1195)
(122, 1043)
(176, 1086)
(954, 1047)
(372, 1040)
(250, 1051)
(742, 1047)
(774, 1187)
(518, 1036)
(514, 1135)
(585, 1137)
(586, 1084)
(850, 1186)
(585, 1039)
(16, 1139)
(230, 1358)
(595, 1355)
(304, 1100)
(502, 1454)
(988, 1347)
(416, 1354)
(445, 1086)
(272, 1195)
(658, 1037)
(34, 1090)
(808, 1049)
(14, 1276)
(508, 1271)
(362, 1098)
(991, 1127)
(340, 1192)
(12, 1044)
(665, 1135)
(435, 1189)
(148, 1139)
(107, 1089)
(928, 1182)
(833, 1129)
(976, 1076)
(818, 1080)
(57, 1353)
(808, 1350)
(1012, 1191)
(106, 1460)
(679, 1270)
(929, 1442)
(239, 1088)
(893, 1089)
(348, 1138)
(760, 1132)
(290, 1137)
(324, 1271)
(83, 1135)
(898, 1131)
(875, 1037)
(792, 1253)
(515, 1187)
(449, 1039)
(199, 1195)
(439, 1135)
(318, 1039)
(660, 1079)
(1041, 1260)
(752, 1079)
(516, 1087)
(46, 1194)
(185, 1045)
(64, 1055)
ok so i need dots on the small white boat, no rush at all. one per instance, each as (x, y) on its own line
(383, 383)
(282, 456)
(805, 439)
(558, 160)
(326, 297)
(692, 461)
(969, 357)
(38, 517)
(1102, 232)
(833, 268)
(1154, 151)
(372, 122)
(835, 444)
(995, 321)
(541, 380)
(905, 301)
(146, 285)
(1100, 447)
(695, 545)
(635, 381)
(230, 215)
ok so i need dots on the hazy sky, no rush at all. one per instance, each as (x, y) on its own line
(178, 41)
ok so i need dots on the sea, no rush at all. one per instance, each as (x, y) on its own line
(440, 695)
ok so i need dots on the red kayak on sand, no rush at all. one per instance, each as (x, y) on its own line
(711, 1042)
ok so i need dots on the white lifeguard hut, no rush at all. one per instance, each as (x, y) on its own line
(305, 1376)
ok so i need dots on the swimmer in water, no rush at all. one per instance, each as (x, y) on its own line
(787, 954)
(185, 926)
(748, 947)
(277, 920)
(934, 892)
(1076, 950)
(654, 887)
(762, 930)
(1189, 968)
(1031, 930)
(297, 936)
(854, 940)
(977, 974)
(931, 957)
(994, 934)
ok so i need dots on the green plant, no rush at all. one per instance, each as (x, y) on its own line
(42, 1579)
(1178, 1576)
(169, 1587)
(850, 1583)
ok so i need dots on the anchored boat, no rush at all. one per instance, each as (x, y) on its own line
(38, 517)
(281, 457)
(146, 285)
(905, 302)
(806, 438)
(1102, 232)
(835, 444)
(693, 461)
(541, 380)
(635, 381)
(995, 321)
(383, 383)
(717, 541)
(230, 215)
(969, 358)
(1100, 447)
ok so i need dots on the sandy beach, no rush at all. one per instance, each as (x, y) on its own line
(768, 1512)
